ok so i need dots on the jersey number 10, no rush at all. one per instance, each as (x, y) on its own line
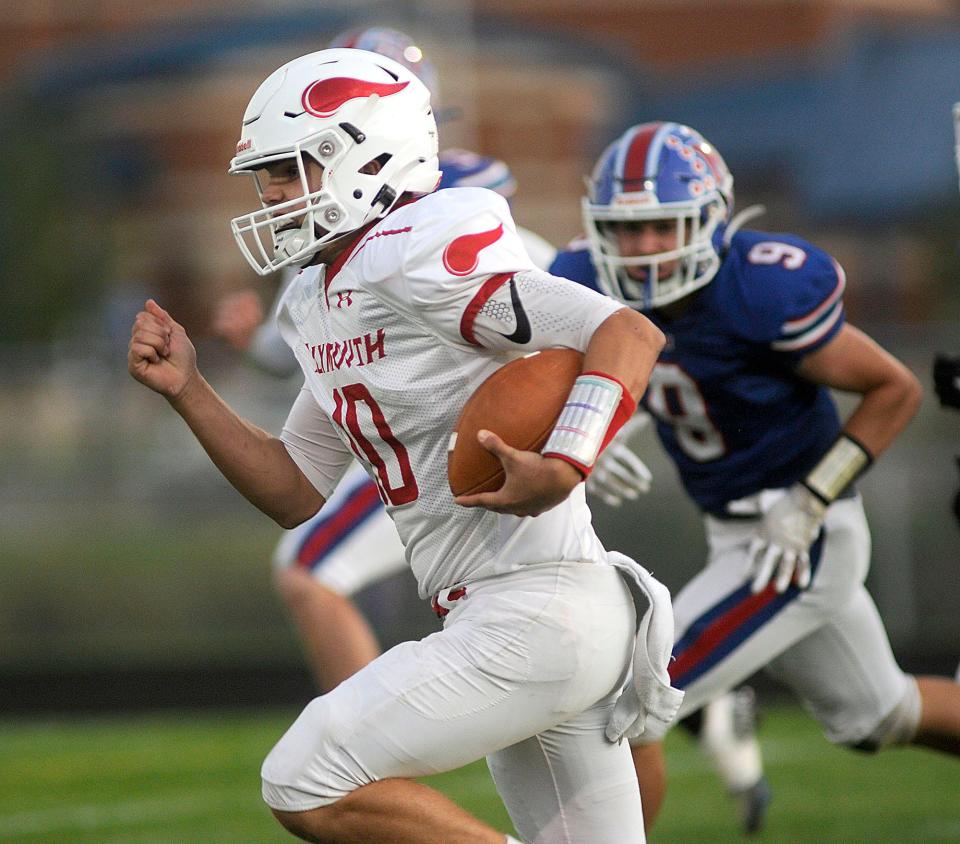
(345, 415)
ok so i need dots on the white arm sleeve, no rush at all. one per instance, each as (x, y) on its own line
(557, 311)
(465, 276)
(313, 444)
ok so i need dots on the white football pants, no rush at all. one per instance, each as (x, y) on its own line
(524, 672)
(827, 642)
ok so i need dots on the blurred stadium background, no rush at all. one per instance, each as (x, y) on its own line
(131, 575)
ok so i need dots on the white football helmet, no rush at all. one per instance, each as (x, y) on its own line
(346, 109)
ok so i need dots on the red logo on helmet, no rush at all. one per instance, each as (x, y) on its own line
(325, 96)
(463, 253)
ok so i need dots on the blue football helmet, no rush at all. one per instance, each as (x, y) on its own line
(464, 169)
(658, 171)
(394, 45)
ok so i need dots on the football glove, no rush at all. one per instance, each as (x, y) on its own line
(781, 550)
(618, 472)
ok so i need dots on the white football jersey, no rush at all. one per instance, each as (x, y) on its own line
(269, 350)
(393, 337)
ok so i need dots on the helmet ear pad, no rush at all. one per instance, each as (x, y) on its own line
(365, 119)
(658, 172)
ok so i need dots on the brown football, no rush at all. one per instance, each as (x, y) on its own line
(520, 402)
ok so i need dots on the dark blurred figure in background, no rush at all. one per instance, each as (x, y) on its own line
(946, 369)
(946, 381)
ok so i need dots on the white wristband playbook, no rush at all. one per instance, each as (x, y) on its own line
(596, 408)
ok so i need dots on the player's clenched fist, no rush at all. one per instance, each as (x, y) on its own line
(160, 353)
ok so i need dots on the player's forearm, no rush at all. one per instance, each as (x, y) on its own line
(625, 346)
(616, 368)
(885, 411)
(255, 463)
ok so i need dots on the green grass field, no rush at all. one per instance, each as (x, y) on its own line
(193, 777)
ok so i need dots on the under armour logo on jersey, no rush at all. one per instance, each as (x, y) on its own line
(324, 97)
(462, 254)
(344, 297)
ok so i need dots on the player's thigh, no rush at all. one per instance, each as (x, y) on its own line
(348, 545)
(513, 660)
(569, 784)
(725, 632)
(845, 672)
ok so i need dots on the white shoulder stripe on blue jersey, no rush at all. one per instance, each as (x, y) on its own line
(795, 326)
(812, 335)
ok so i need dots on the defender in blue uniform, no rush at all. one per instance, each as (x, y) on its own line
(729, 409)
(756, 337)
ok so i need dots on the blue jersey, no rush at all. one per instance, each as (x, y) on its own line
(731, 411)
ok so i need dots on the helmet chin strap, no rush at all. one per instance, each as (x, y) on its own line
(290, 242)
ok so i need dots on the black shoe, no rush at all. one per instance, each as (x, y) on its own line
(753, 803)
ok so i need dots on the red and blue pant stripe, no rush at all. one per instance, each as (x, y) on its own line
(331, 532)
(730, 622)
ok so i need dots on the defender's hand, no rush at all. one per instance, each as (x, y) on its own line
(533, 484)
(160, 354)
(782, 547)
(619, 473)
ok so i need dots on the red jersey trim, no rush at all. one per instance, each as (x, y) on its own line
(357, 242)
(489, 287)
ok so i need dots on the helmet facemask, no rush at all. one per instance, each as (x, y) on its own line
(695, 255)
(265, 236)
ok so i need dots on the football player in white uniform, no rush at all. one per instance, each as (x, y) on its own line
(351, 543)
(408, 300)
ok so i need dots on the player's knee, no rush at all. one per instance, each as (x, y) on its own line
(294, 585)
(300, 824)
(897, 728)
(309, 768)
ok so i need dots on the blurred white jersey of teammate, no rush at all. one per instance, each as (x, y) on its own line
(387, 337)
